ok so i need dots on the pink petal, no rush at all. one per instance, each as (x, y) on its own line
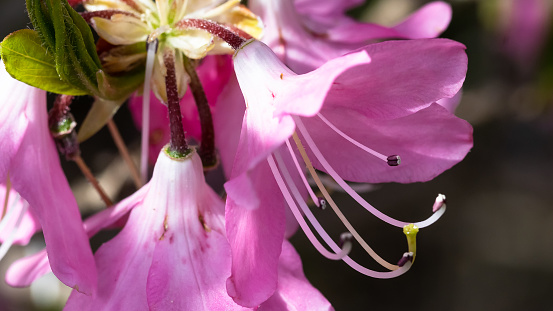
(203, 261)
(29, 224)
(272, 92)
(451, 103)
(227, 122)
(325, 7)
(429, 141)
(35, 172)
(428, 22)
(179, 223)
(255, 234)
(403, 77)
(123, 265)
(25, 271)
(294, 290)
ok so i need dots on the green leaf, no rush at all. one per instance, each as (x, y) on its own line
(115, 88)
(27, 60)
(68, 38)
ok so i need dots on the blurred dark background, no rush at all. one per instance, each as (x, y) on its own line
(492, 250)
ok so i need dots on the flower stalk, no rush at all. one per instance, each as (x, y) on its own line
(207, 150)
(124, 153)
(62, 128)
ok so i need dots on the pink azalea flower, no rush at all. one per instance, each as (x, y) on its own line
(344, 111)
(173, 255)
(307, 33)
(30, 157)
(524, 25)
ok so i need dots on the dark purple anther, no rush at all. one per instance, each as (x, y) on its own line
(404, 259)
(345, 237)
(322, 203)
(393, 160)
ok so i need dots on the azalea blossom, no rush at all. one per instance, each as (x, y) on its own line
(353, 128)
(173, 254)
(30, 160)
(357, 110)
(307, 33)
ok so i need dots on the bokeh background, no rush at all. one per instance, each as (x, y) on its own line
(492, 250)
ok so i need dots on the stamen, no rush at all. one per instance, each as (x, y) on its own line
(315, 199)
(331, 184)
(439, 203)
(9, 241)
(322, 203)
(146, 111)
(392, 160)
(328, 168)
(335, 208)
(345, 237)
(407, 257)
(324, 235)
(301, 221)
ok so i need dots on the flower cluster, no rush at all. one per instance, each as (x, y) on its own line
(277, 93)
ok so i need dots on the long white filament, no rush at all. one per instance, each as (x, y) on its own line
(324, 235)
(150, 56)
(9, 241)
(328, 168)
(305, 182)
(353, 141)
(340, 253)
(337, 210)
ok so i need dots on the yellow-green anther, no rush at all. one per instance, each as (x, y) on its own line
(410, 232)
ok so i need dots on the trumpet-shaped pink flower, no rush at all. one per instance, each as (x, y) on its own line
(343, 111)
(172, 253)
(272, 92)
(31, 160)
(307, 33)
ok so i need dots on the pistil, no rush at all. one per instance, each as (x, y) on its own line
(178, 146)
